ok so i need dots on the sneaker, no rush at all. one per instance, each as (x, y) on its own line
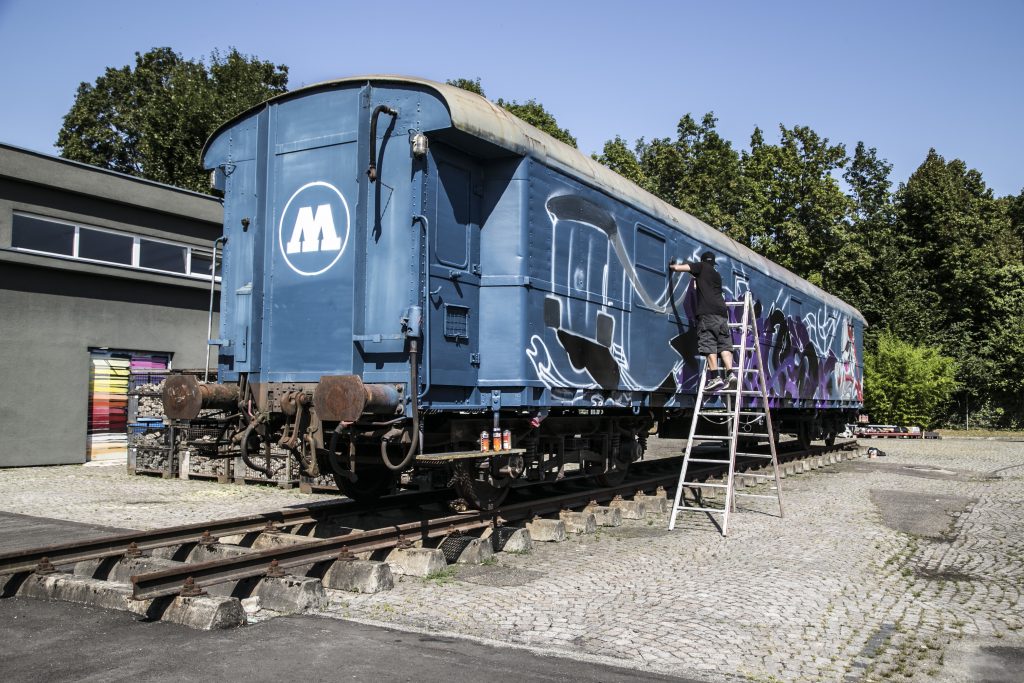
(731, 381)
(714, 384)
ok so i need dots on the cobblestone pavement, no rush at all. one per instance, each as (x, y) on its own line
(108, 495)
(902, 568)
(830, 593)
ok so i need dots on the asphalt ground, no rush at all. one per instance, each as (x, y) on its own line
(53, 642)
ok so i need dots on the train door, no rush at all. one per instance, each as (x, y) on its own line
(454, 194)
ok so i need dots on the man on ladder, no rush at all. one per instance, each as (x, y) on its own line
(741, 400)
(713, 336)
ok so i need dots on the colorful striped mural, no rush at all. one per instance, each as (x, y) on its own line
(110, 375)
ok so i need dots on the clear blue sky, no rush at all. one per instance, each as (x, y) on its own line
(901, 76)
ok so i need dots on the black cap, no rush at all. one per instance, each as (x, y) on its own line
(708, 257)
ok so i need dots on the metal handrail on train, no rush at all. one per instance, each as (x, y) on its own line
(209, 318)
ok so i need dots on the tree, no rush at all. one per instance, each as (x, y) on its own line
(534, 113)
(793, 209)
(470, 84)
(617, 156)
(965, 240)
(876, 268)
(905, 383)
(152, 120)
(698, 171)
(1003, 348)
(531, 111)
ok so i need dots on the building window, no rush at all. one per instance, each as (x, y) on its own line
(200, 264)
(99, 245)
(163, 256)
(40, 235)
(32, 233)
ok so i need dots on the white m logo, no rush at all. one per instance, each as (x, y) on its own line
(314, 228)
(314, 232)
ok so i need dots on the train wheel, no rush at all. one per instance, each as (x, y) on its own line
(615, 475)
(373, 482)
(803, 435)
(480, 490)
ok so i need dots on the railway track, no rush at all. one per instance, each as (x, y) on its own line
(191, 579)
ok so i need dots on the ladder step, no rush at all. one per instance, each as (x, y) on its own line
(751, 412)
(739, 346)
(698, 484)
(683, 508)
(735, 303)
(755, 455)
(708, 437)
(756, 495)
(720, 462)
(755, 476)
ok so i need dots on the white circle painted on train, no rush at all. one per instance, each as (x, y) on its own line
(314, 228)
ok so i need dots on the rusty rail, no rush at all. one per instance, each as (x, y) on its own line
(171, 581)
(119, 544)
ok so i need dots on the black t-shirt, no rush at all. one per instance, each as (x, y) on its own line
(709, 289)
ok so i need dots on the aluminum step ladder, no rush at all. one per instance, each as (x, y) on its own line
(739, 403)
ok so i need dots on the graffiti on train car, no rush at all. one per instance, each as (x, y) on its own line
(583, 357)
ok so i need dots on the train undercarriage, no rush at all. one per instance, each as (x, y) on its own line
(360, 436)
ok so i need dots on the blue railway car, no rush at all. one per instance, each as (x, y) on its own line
(409, 270)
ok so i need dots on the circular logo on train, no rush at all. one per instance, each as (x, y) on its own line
(314, 228)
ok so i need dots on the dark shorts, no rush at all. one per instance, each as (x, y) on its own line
(713, 335)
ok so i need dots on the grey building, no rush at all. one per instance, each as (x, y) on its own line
(103, 279)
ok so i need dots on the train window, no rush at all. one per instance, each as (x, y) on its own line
(162, 256)
(651, 261)
(99, 245)
(38, 234)
(741, 285)
(795, 308)
(650, 250)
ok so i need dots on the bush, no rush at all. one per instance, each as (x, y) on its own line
(907, 384)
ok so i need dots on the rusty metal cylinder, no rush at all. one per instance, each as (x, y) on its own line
(381, 399)
(184, 396)
(346, 398)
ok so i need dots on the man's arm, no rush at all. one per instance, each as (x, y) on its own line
(677, 266)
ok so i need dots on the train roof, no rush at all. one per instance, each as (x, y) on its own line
(479, 117)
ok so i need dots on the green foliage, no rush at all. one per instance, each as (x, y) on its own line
(907, 384)
(698, 171)
(794, 210)
(151, 120)
(470, 84)
(534, 113)
(969, 253)
(531, 111)
(1002, 349)
(936, 264)
(617, 156)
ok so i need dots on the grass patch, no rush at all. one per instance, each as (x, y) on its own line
(999, 433)
(442, 576)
